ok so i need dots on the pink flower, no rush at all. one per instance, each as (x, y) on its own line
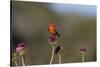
(22, 44)
(83, 50)
(20, 47)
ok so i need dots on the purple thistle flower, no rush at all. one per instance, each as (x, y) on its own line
(20, 47)
(21, 51)
(83, 50)
(52, 39)
(22, 44)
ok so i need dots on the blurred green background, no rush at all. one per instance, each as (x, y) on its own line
(75, 23)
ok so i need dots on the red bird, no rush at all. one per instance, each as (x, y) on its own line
(51, 28)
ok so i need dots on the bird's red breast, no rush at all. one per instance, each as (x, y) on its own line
(51, 26)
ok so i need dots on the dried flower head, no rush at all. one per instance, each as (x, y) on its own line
(14, 56)
(59, 49)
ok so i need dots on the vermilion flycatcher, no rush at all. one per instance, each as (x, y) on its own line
(51, 28)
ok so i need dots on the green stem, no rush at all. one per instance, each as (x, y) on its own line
(23, 61)
(59, 58)
(82, 57)
(52, 54)
(15, 63)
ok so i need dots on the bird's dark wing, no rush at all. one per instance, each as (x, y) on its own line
(57, 33)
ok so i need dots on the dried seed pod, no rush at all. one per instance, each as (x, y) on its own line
(14, 58)
(59, 49)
